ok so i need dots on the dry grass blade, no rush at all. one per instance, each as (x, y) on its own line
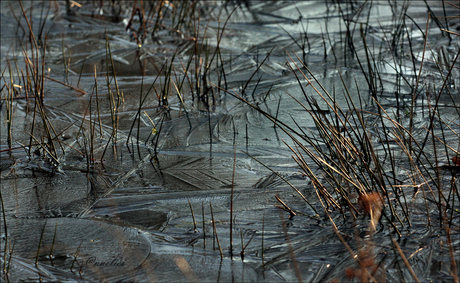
(398, 248)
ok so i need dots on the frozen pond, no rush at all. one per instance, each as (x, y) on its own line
(219, 141)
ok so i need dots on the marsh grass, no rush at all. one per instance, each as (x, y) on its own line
(215, 236)
(6, 263)
(346, 170)
(35, 70)
(40, 244)
(353, 157)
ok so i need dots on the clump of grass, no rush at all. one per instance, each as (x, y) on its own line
(33, 82)
(354, 178)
